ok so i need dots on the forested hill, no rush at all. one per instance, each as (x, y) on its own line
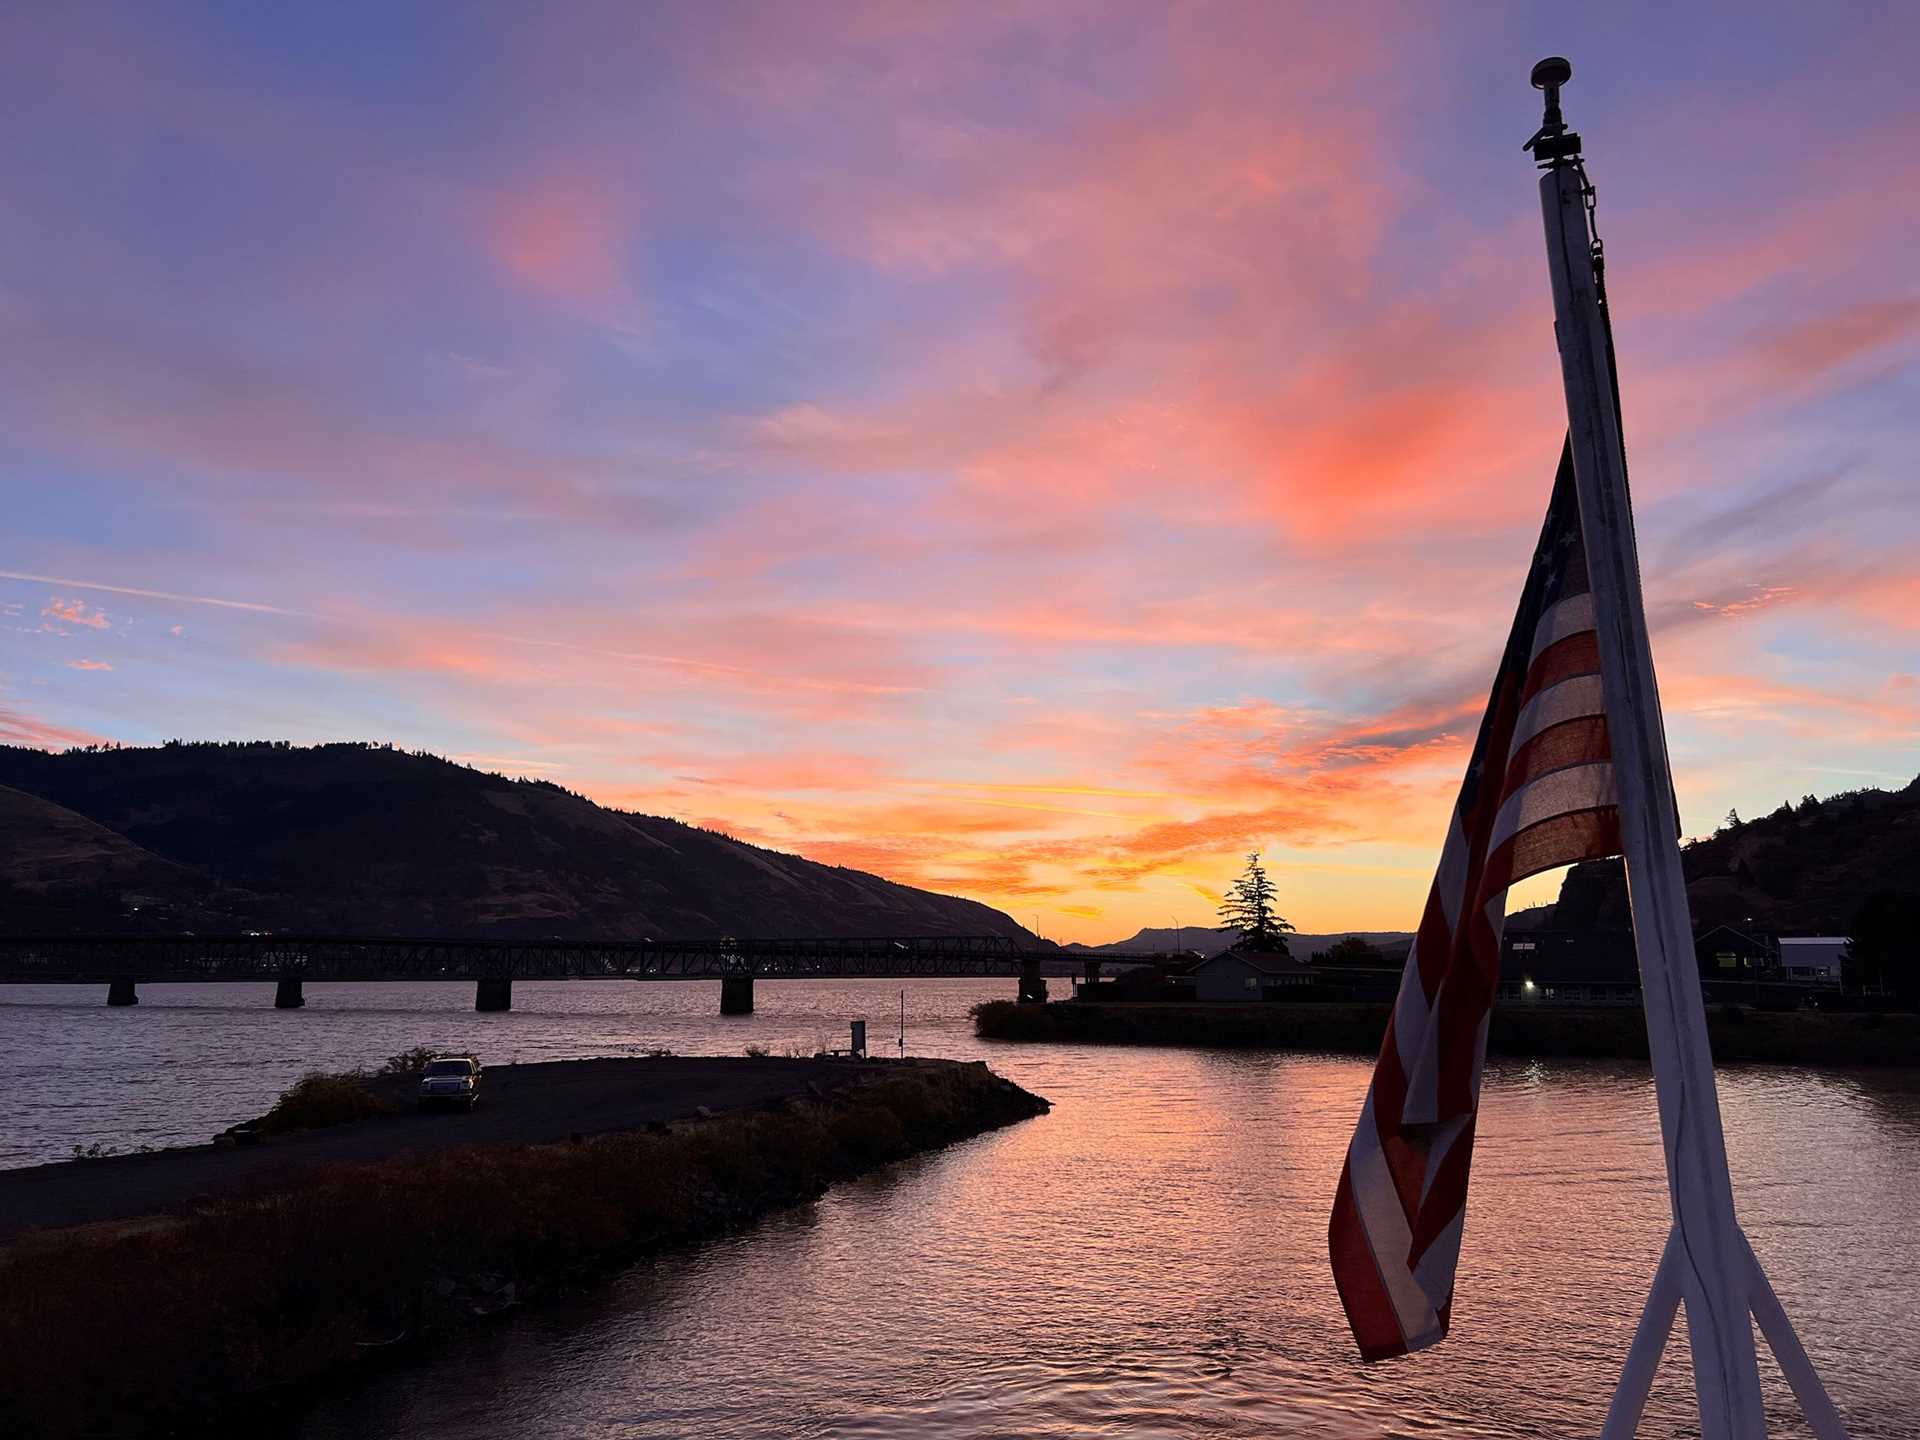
(1807, 867)
(361, 839)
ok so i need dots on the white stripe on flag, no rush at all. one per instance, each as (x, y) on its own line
(1410, 1010)
(1558, 792)
(1378, 1204)
(1569, 617)
(1569, 700)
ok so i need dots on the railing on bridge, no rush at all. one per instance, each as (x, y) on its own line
(123, 961)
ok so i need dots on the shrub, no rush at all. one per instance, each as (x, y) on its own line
(317, 1100)
(408, 1062)
(756, 1052)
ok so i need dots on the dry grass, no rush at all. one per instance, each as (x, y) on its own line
(128, 1331)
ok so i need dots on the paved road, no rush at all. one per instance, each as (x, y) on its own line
(519, 1105)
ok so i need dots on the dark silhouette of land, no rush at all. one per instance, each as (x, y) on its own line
(520, 1105)
(357, 839)
(1807, 868)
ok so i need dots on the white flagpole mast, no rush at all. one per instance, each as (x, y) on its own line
(1708, 1265)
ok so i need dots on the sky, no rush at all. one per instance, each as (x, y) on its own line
(1040, 452)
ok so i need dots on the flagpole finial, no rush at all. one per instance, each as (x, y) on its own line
(1552, 142)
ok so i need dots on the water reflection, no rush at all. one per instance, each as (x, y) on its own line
(1149, 1259)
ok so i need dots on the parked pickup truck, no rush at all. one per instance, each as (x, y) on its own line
(450, 1080)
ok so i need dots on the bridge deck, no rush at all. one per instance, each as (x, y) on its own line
(97, 959)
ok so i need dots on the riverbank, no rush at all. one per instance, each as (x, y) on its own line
(170, 1318)
(1798, 1037)
(521, 1105)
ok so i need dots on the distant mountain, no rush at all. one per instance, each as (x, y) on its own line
(360, 839)
(1806, 868)
(1209, 940)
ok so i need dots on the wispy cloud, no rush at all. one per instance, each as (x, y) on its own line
(1040, 453)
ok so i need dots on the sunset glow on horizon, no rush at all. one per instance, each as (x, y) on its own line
(1038, 453)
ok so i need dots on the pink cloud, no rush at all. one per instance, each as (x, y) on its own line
(17, 727)
(74, 612)
(564, 241)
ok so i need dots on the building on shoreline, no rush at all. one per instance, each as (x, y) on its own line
(1568, 967)
(1251, 975)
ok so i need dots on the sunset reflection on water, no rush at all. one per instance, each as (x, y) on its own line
(1148, 1260)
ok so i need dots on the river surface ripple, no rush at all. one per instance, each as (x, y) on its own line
(1148, 1260)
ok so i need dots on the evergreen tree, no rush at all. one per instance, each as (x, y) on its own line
(1732, 822)
(1248, 908)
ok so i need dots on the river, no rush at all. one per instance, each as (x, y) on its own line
(1148, 1260)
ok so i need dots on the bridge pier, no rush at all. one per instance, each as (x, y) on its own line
(736, 994)
(287, 995)
(1033, 985)
(492, 995)
(120, 991)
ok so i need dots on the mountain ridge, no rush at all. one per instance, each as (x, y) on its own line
(1807, 867)
(365, 839)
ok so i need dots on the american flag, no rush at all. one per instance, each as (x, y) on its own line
(1539, 792)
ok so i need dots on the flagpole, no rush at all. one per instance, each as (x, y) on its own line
(1709, 1249)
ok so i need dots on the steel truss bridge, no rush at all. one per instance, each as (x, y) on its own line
(123, 961)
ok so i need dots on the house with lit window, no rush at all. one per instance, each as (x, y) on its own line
(1725, 953)
(1568, 967)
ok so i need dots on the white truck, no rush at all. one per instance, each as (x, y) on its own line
(450, 1080)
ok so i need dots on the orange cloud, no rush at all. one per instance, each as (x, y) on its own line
(74, 612)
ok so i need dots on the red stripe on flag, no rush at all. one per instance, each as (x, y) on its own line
(1581, 741)
(1578, 654)
(1357, 1277)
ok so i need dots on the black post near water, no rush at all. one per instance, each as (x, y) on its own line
(120, 991)
(493, 995)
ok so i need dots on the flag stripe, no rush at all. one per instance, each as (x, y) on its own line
(1538, 792)
(1569, 617)
(1574, 787)
(1568, 700)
